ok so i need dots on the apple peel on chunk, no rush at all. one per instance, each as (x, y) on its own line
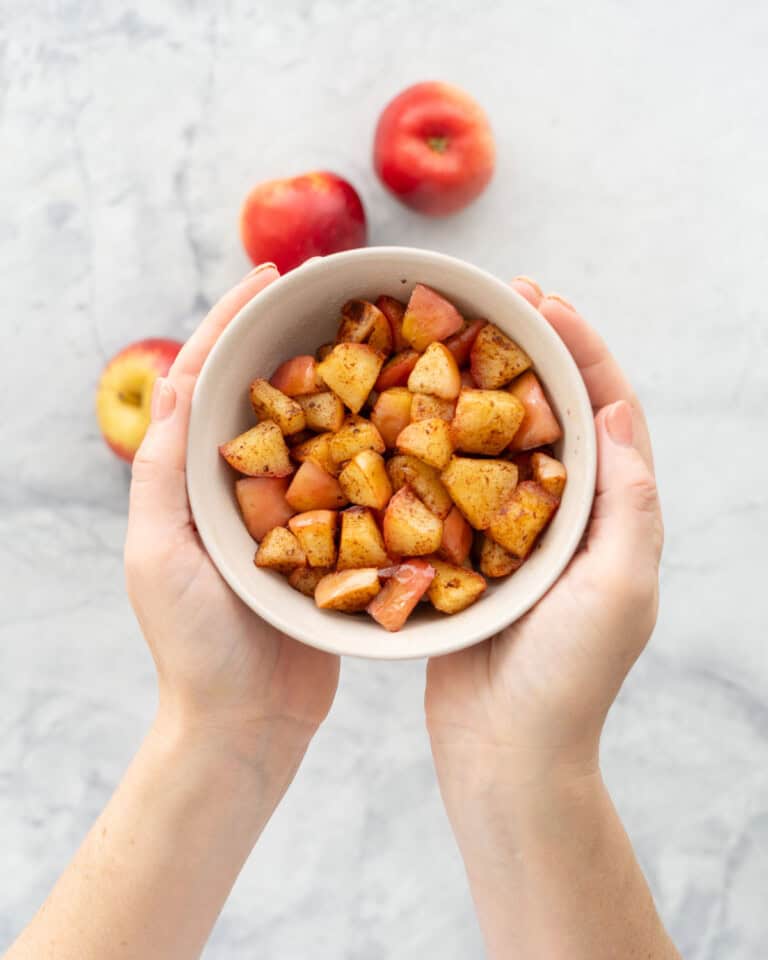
(539, 425)
(429, 317)
(262, 503)
(313, 488)
(399, 596)
(297, 376)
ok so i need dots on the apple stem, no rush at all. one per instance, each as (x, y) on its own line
(133, 397)
(438, 144)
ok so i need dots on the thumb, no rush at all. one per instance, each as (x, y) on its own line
(627, 529)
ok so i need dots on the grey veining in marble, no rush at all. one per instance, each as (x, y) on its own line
(633, 139)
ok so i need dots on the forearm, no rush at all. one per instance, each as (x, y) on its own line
(552, 871)
(155, 870)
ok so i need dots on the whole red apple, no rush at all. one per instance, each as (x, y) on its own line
(125, 392)
(288, 221)
(434, 148)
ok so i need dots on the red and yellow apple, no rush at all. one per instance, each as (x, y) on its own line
(434, 148)
(288, 221)
(124, 394)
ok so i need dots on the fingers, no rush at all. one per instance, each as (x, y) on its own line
(158, 500)
(529, 289)
(626, 531)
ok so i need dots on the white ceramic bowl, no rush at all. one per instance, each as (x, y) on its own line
(296, 314)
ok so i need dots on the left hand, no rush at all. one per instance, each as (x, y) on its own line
(221, 669)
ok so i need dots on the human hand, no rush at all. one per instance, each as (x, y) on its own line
(531, 702)
(222, 670)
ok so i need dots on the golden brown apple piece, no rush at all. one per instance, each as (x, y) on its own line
(539, 425)
(259, 452)
(322, 411)
(314, 489)
(404, 586)
(479, 487)
(424, 407)
(424, 481)
(549, 473)
(356, 434)
(360, 543)
(362, 322)
(428, 440)
(262, 503)
(485, 421)
(496, 359)
(394, 311)
(365, 481)
(522, 517)
(316, 532)
(495, 561)
(410, 528)
(279, 550)
(271, 404)
(305, 579)
(348, 590)
(351, 370)
(429, 317)
(454, 588)
(436, 373)
(391, 413)
(318, 449)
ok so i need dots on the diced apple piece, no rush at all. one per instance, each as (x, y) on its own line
(479, 487)
(391, 413)
(429, 317)
(436, 373)
(396, 370)
(457, 538)
(296, 376)
(424, 480)
(460, 344)
(322, 411)
(522, 517)
(349, 590)
(467, 380)
(410, 528)
(539, 425)
(314, 489)
(401, 593)
(394, 311)
(280, 550)
(485, 421)
(262, 503)
(360, 542)
(495, 359)
(428, 440)
(454, 588)
(271, 404)
(259, 452)
(351, 370)
(365, 482)
(322, 352)
(549, 473)
(495, 561)
(357, 434)
(316, 532)
(362, 322)
(424, 407)
(318, 449)
(305, 579)
(296, 439)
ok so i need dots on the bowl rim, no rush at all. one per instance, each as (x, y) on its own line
(195, 493)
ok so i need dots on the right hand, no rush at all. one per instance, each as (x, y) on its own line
(533, 699)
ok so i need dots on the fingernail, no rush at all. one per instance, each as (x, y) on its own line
(565, 303)
(163, 400)
(531, 283)
(618, 423)
(258, 269)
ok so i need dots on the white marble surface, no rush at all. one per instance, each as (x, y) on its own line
(632, 177)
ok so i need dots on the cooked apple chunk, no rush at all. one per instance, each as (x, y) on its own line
(280, 550)
(424, 481)
(495, 561)
(460, 344)
(479, 487)
(296, 376)
(357, 434)
(259, 452)
(405, 585)
(394, 311)
(362, 322)
(305, 579)
(424, 407)
(314, 489)
(316, 532)
(365, 482)
(262, 503)
(429, 317)
(396, 370)
(351, 370)
(410, 528)
(322, 411)
(457, 538)
(436, 373)
(496, 359)
(360, 542)
(318, 449)
(485, 421)
(428, 440)
(549, 473)
(271, 404)
(349, 590)
(522, 517)
(539, 425)
(391, 413)
(454, 588)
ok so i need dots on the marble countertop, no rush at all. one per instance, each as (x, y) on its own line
(632, 178)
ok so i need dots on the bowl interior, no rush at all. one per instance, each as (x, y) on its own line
(296, 314)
